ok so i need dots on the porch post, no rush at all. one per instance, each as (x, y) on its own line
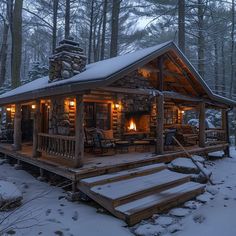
(79, 131)
(202, 125)
(17, 128)
(36, 129)
(225, 127)
(160, 124)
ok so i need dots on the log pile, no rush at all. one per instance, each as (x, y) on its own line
(68, 60)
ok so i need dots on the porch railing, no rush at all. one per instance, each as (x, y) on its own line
(57, 145)
(216, 135)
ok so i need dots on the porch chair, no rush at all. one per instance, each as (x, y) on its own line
(101, 145)
(169, 142)
(88, 138)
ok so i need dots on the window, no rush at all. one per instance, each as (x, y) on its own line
(98, 115)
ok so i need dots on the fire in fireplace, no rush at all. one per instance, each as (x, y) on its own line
(131, 125)
(137, 122)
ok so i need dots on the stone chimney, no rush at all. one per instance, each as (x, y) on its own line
(68, 60)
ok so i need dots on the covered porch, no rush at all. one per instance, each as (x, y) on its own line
(137, 133)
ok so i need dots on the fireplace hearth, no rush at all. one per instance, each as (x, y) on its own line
(137, 122)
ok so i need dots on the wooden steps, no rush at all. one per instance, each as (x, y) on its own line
(136, 194)
(143, 208)
(116, 176)
(127, 190)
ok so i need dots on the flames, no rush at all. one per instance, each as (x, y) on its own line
(132, 125)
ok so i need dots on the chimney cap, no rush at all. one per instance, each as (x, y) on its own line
(69, 41)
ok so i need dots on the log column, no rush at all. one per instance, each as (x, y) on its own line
(17, 128)
(225, 127)
(202, 124)
(36, 129)
(160, 109)
(160, 124)
(79, 131)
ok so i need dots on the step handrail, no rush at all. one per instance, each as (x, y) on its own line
(195, 163)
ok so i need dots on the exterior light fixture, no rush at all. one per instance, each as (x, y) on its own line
(8, 109)
(33, 106)
(182, 112)
(116, 105)
(72, 103)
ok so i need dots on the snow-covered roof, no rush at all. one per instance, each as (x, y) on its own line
(99, 74)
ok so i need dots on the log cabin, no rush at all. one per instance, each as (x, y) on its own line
(61, 123)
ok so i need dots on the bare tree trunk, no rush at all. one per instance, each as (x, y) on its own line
(54, 30)
(216, 68)
(91, 32)
(3, 52)
(201, 41)
(181, 25)
(16, 42)
(67, 20)
(115, 28)
(104, 30)
(232, 51)
(223, 68)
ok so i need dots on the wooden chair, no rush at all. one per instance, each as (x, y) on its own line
(88, 138)
(101, 145)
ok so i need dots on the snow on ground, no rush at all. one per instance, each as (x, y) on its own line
(217, 216)
(212, 213)
(46, 212)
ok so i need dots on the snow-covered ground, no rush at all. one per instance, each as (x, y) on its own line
(46, 211)
(49, 213)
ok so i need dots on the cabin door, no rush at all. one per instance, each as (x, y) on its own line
(27, 123)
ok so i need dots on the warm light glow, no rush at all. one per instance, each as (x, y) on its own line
(132, 125)
(8, 109)
(117, 105)
(182, 112)
(71, 103)
(33, 106)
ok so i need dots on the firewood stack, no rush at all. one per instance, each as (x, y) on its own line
(68, 60)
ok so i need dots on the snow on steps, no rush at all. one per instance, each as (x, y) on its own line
(125, 190)
(121, 175)
(118, 191)
(158, 202)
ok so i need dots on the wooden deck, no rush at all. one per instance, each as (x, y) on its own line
(94, 165)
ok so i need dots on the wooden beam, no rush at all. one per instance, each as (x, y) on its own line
(130, 91)
(160, 124)
(160, 74)
(79, 131)
(202, 125)
(184, 73)
(175, 95)
(17, 128)
(225, 127)
(36, 129)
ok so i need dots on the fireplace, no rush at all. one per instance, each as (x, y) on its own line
(138, 122)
